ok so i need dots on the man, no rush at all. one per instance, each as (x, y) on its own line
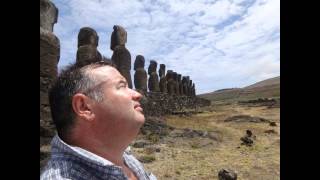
(97, 116)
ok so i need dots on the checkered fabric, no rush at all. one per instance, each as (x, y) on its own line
(69, 162)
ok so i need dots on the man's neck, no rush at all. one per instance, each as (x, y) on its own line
(106, 148)
(108, 152)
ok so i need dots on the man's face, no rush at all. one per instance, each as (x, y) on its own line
(120, 107)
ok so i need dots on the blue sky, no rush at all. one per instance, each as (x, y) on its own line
(218, 43)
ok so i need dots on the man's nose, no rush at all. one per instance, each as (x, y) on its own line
(136, 95)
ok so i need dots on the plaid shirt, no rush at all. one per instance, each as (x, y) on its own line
(69, 162)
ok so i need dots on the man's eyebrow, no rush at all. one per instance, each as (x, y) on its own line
(122, 81)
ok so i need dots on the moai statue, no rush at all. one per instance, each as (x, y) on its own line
(153, 82)
(49, 58)
(163, 81)
(121, 57)
(180, 85)
(184, 85)
(140, 76)
(190, 87)
(193, 90)
(88, 41)
(187, 85)
(176, 84)
(170, 82)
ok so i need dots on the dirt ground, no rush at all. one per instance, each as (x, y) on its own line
(184, 154)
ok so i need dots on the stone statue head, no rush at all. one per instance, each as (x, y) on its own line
(48, 15)
(169, 75)
(162, 70)
(152, 66)
(184, 79)
(118, 37)
(139, 62)
(179, 77)
(188, 80)
(175, 76)
(88, 36)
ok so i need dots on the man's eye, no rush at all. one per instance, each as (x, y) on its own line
(122, 85)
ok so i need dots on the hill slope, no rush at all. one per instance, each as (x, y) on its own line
(269, 88)
(268, 82)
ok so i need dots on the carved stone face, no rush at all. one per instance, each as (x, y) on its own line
(152, 67)
(188, 79)
(175, 76)
(153, 82)
(179, 77)
(87, 53)
(93, 40)
(140, 79)
(184, 79)
(139, 62)
(169, 75)
(162, 70)
(118, 37)
(48, 15)
(87, 36)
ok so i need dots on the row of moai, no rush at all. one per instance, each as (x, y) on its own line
(88, 41)
(170, 82)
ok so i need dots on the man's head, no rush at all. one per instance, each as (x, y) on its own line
(94, 97)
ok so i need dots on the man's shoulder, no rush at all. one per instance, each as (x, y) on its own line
(64, 169)
(52, 174)
(56, 170)
(78, 169)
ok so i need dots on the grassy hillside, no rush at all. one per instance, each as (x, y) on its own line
(264, 83)
(222, 95)
(269, 88)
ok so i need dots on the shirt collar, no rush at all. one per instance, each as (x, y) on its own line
(57, 141)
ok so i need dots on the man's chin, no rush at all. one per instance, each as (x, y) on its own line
(140, 116)
(142, 119)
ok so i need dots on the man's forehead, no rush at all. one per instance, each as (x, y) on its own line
(107, 72)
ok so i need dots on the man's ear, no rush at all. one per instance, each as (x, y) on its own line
(82, 106)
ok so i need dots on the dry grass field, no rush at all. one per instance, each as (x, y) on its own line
(199, 145)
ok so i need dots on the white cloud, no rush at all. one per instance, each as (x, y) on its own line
(219, 43)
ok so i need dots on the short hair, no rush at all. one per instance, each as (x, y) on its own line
(75, 78)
